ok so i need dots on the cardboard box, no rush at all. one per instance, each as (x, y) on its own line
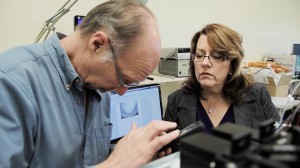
(282, 87)
(289, 61)
(276, 87)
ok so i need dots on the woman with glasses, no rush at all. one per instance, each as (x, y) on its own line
(216, 90)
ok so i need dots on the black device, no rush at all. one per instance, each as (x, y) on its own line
(197, 126)
(239, 136)
(200, 149)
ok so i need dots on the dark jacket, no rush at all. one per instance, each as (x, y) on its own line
(250, 111)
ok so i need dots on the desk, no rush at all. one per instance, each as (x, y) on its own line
(159, 78)
(168, 85)
(170, 161)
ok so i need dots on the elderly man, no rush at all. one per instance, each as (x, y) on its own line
(54, 108)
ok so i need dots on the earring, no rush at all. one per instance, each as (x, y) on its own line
(230, 73)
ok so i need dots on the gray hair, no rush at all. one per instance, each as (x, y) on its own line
(122, 20)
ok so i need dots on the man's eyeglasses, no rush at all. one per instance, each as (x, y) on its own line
(121, 81)
(214, 58)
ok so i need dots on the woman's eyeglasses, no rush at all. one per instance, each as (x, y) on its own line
(214, 58)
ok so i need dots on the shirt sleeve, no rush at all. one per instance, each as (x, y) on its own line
(17, 122)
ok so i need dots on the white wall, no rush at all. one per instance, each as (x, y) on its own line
(268, 26)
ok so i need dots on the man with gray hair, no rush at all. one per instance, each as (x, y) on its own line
(54, 108)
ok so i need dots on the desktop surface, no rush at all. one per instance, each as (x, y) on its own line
(169, 161)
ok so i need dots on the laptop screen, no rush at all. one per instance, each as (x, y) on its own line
(140, 105)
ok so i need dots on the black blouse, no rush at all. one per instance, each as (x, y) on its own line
(202, 115)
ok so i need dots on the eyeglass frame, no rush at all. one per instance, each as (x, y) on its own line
(208, 56)
(119, 74)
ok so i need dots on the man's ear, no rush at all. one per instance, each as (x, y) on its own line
(97, 41)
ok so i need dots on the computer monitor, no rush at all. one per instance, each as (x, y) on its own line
(296, 49)
(296, 52)
(77, 20)
(139, 105)
(297, 67)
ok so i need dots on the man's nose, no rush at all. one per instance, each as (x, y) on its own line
(121, 90)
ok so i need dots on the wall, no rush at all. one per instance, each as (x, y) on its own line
(268, 26)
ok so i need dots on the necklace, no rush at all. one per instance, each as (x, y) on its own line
(210, 110)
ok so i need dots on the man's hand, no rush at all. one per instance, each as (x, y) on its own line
(141, 145)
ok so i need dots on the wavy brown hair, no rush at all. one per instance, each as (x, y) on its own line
(223, 39)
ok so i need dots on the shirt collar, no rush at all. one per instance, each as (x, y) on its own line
(62, 62)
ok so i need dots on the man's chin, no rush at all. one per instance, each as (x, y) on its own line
(99, 88)
(102, 90)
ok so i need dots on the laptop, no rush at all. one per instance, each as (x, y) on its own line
(139, 105)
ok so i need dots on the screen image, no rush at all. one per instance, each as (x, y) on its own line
(140, 105)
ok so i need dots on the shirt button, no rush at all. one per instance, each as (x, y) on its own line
(79, 102)
(67, 86)
(77, 81)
